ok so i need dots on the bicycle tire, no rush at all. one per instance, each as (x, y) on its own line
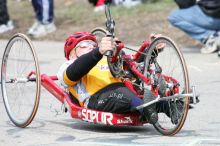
(170, 56)
(99, 33)
(21, 105)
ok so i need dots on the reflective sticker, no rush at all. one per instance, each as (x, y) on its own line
(97, 117)
(126, 120)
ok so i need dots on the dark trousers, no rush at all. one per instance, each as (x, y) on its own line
(44, 10)
(115, 98)
(4, 17)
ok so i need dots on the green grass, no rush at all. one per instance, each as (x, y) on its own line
(132, 24)
(148, 7)
(81, 12)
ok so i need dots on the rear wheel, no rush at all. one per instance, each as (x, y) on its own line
(20, 78)
(165, 57)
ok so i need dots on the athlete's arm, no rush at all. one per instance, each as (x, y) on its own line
(83, 65)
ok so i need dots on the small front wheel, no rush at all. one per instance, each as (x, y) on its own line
(99, 33)
(20, 80)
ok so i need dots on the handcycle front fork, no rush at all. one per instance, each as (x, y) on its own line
(192, 95)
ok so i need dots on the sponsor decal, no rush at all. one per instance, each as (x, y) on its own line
(97, 117)
(117, 95)
(126, 120)
(103, 67)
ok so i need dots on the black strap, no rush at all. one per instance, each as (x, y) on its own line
(74, 99)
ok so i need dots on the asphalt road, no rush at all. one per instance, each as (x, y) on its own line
(51, 127)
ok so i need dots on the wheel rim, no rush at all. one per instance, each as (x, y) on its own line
(99, 33)
(21, 99)
(172, 63)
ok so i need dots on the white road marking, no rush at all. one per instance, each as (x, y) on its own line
(195, 68)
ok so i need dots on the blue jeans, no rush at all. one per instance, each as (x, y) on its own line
(194, 22)
(43, 10)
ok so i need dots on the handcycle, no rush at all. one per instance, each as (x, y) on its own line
(155, 64)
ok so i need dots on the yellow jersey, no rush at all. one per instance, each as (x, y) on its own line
(96, 79)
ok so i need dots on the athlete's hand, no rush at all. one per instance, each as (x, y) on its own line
(160, 46)
(154, 36)
(107, 44)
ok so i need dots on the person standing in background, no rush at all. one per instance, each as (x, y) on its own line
(44, 23)
(99, 5)
(5, 23)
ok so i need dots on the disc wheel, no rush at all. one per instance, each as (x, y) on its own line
(20, 80)
(173, 112)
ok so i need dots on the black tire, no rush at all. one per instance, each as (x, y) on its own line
(172, 63)
(20, 95)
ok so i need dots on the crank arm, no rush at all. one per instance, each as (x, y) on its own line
(158, 99)
(176, 96)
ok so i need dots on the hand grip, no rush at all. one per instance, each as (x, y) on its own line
(108, 53)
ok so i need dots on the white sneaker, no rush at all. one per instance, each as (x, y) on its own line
(127, 3)
(43, 29)
(131, 3)
(99, 8)
(33, 27)
(212, 44)
(6, 27)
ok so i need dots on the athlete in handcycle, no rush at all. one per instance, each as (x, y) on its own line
(150, 86)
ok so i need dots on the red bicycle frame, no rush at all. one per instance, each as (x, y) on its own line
(131, 65)
(94, 116)
(86, 114)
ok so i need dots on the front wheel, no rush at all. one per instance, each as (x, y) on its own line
(20, 80)
(165, 58)
(99, 33)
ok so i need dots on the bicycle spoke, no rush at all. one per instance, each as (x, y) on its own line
(21, 98)
(171, 113)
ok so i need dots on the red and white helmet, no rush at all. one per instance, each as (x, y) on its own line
(74, 39)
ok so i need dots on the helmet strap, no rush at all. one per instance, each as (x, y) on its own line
(76, 53)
